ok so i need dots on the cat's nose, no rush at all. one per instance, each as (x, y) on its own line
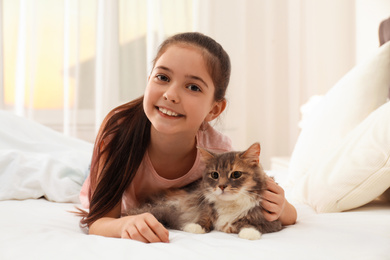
(222, 187)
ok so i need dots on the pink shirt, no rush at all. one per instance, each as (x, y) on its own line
(147, 181)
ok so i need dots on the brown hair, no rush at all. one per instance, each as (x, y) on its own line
(125, 133)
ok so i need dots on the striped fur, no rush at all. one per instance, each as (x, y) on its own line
(227, 198)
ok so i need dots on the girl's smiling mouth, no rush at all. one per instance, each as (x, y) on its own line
(168, 112)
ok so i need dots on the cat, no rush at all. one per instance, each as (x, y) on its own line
(226, 199)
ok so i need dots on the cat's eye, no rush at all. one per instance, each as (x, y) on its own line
(236, 175)
(214, 175)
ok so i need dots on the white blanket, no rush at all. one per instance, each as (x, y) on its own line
(36, 161)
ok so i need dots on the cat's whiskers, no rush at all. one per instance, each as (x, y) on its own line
(252, 193)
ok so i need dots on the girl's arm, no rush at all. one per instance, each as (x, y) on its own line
(289, 215)
(276, 206)
(143, 227)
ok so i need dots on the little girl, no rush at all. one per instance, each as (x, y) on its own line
(149, 144)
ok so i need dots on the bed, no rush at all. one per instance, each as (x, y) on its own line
(39, 229)
(338, 179)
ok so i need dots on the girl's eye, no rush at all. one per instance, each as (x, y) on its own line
(236, 175)
(162, 77)
(214, 175)
(193, 88)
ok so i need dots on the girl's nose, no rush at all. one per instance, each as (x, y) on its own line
(171, 95)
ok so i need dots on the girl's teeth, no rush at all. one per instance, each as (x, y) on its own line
(167, 112)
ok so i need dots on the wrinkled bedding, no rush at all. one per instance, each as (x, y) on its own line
(41, 173)
(39, 229)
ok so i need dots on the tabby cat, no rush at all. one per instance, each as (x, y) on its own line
(227, 198)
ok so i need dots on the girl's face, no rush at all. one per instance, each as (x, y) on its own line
(179, 96)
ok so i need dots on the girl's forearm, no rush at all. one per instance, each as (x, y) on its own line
(106, 226)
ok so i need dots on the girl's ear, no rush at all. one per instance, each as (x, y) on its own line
(216, 110)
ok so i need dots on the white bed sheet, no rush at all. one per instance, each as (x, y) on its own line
(39, 229)
(32, 228)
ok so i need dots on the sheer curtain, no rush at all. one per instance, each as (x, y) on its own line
(67, 65)
(1, 59)
(282, 53)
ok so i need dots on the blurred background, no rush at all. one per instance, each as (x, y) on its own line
(67, 63)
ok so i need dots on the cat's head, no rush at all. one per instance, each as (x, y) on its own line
(228, 176)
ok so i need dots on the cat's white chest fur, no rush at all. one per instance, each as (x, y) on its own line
(229, 211)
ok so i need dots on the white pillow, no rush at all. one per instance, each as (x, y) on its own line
(37, 161)
(349, 102)
(354, 173)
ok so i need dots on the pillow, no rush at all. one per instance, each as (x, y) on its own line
(356, 172)
(349, 102)
(37, 161)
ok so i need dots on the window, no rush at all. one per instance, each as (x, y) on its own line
(51, 48)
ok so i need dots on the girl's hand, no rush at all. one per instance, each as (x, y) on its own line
(145, 228)
(276, 206)
(273, 201)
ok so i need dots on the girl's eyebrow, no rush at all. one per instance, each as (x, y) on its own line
(187, 76)
(197, 78)
(164, 68)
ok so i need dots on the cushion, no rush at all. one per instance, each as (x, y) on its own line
(356, 171)
(362, 90)
(323, 153)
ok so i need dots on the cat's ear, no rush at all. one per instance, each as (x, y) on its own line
(252, 153)
(205, 155)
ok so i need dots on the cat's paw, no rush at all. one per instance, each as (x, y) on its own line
(249, 233)
(194, 228)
